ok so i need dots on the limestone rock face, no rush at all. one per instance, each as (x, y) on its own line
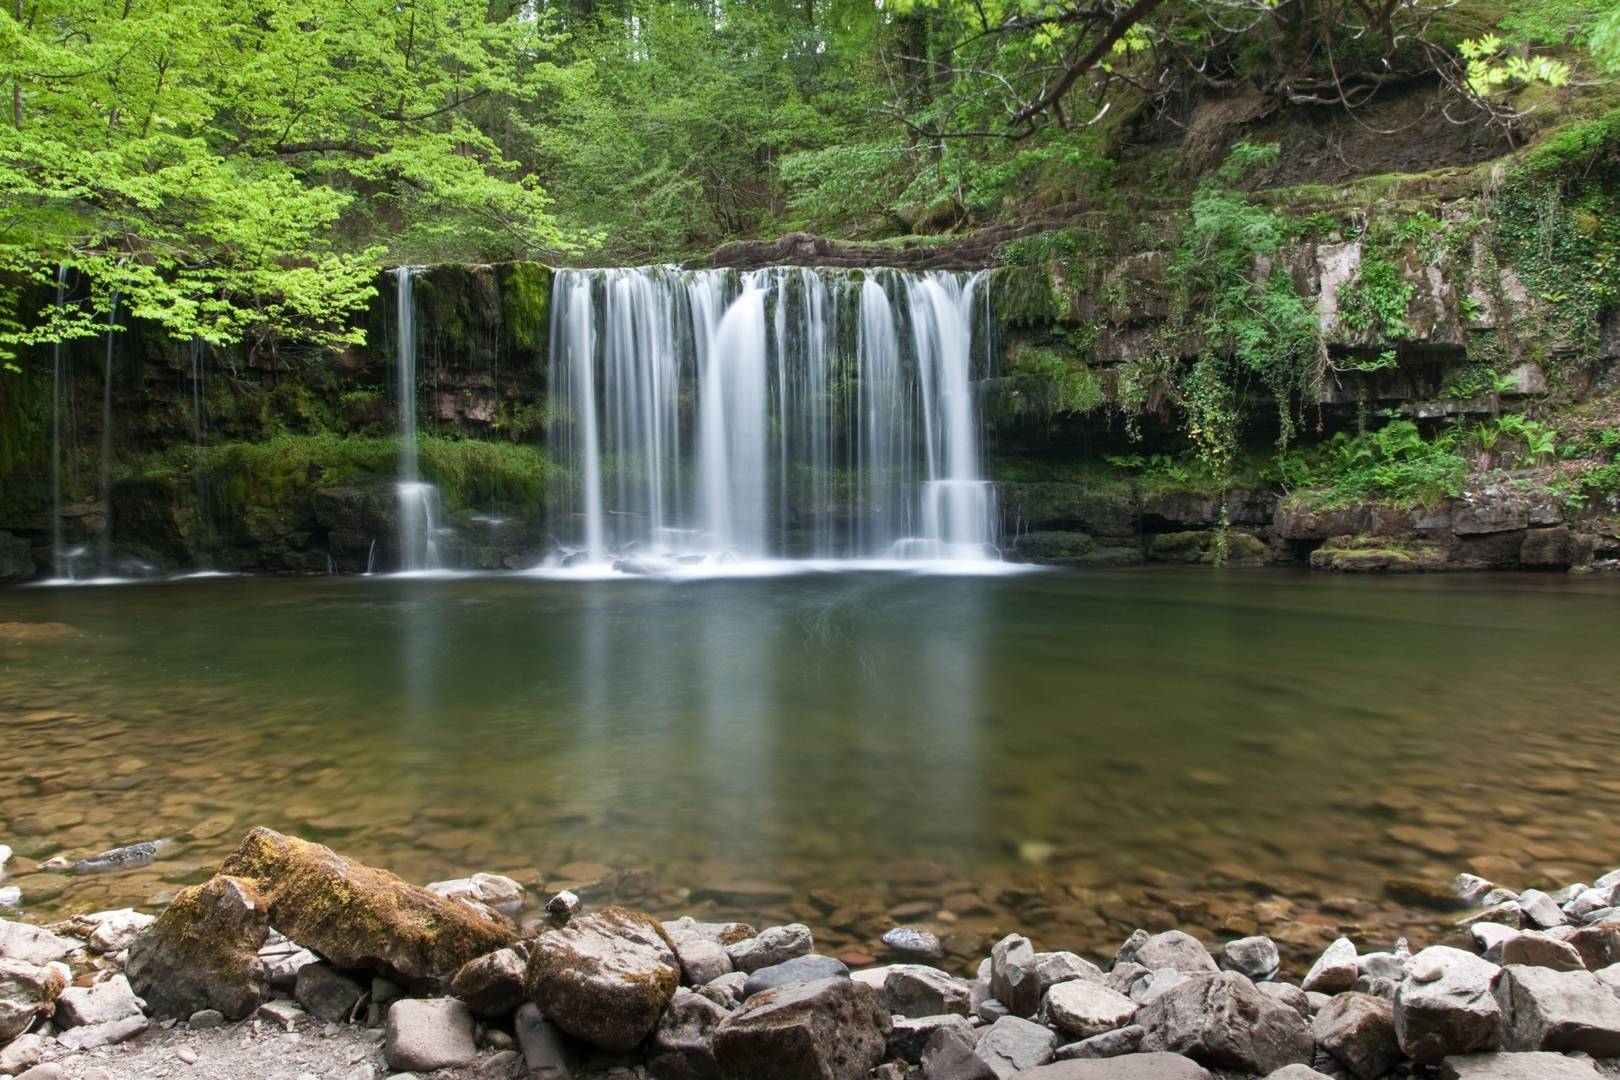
(1543, 1009)
(359, 917)
(1359, 1031)
(605, 977)
(203, 951)
(1444, 1006)
(27, 991)
(1223, 1022)
(833, 1029)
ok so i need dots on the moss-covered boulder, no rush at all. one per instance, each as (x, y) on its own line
(359, 917)
(1203, 546)
(1378, 555)
(202, 952)
(604, 978)
(1061, 548)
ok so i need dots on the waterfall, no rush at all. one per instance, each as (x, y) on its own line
(418, 501)
(59, 556)
(714, 415)
(104, 547)
(199, 423)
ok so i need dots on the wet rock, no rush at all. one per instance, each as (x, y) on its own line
(1222, 1021)
(23, 1052)
(359, 917)
(27, 992)
(1082, 1009)
(726, 991)
(1255, 957)
(99, 1003)
(545, 1050)
(492, 985)
(1172, 949)
(1541, 910)
(494, 891)
(1289, 995)
(33, 945)
(914, 944)
(1531, 1066)
(1444, 1006)
(10, 896)
(682, 1046)
(1587, 901)
(834, 1029)
(702, 956)
(202, 952)
(91, 1036)
(327, 994)
(563, 906)
(604, 978)
(1359, 1031)
(130, 857)
(1469, 888)
(1132, 1067)
(1125, 1040)
(423, 1035)
(1052, 968)
(110, 932)
(1544, 1009)
(1014, 975)
(1335, 970)
(800, 969)
(1387, 965)
(771, 946)
(1535, 949)
(911, 1034)
(1598, 946)
(916, 990)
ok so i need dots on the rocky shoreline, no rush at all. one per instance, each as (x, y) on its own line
(293, 960)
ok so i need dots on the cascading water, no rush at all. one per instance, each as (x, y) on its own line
(104, 548)
(60, 560)
(418, 501)
(718, 416)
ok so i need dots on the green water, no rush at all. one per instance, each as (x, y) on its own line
(1116, 745)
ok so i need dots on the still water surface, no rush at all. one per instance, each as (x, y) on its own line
(1117, 747)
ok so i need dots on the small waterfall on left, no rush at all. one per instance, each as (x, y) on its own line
(418, 501)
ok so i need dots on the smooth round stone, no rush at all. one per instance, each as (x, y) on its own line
(800, 969)
(912, 942)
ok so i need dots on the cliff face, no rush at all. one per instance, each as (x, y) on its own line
(1407, 375)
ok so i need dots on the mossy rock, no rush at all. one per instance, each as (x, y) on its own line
(362, 918)
(1378, 555)
(1077, 549)
(1200, 546)
(202, 952)
(604, 978)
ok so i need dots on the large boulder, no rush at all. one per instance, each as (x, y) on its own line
(1543, 1009)
(683, 1044)
(1222, 1021)
(1444, 1006)
(833, 1029)
(27, 991)
(605, 977)
(1359, 1031)
(359, 917)
(203, 951)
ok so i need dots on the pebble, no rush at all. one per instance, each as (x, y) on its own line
(186, 1054)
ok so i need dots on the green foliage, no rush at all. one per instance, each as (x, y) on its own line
(1375, 302)
(1053, 384)
(1393, 464)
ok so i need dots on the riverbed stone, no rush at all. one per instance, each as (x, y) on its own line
(1598, 946)
(605, 977)
(1081, 1008)
(423, 1035)
(832, 1029)
(1125, 1040)
(99, 1003)
(327, 993)
(918, 990)
(1052, 968)
(1541, 910)
(683, 1043)
(34, 945)
(914, 943)
(910, 1035)
(1222, 1021)
(1527, 1066)
(1335, 970)
(545, 1048)
(1543, 1009)
(496, 891)
(1256, 957)
(202, 952)
(1359, 1031)
(109, 932)
(1154, 1066)
(800, 969)
(27, 992)
(702, 960)
(1013, 1043)
(726, 991)
(1289, 995)
(1444, 1006)
(1015, 976)
(1533, 948)
(361, 918)
(771, 946)
(23, 1052)
(493, 984)
(91, 1036)
(1173, 949)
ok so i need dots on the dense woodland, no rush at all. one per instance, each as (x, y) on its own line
(235, 169)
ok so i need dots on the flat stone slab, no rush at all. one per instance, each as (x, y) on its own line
(1535, 1065)
(1129, 1067)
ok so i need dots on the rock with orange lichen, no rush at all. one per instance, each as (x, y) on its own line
(203, 951)
(362, 918)
(604, 978)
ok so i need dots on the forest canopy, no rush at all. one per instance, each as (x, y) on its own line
(235, 170)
